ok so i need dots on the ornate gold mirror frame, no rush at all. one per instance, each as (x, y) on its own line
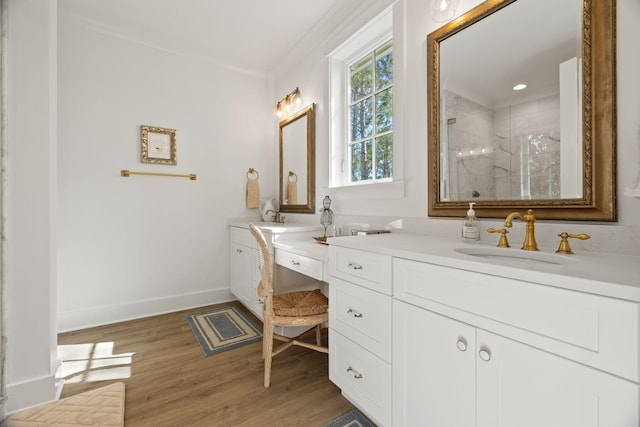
(297, 136)
(598, 202)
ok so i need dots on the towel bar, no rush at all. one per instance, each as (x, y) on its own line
(191, 176)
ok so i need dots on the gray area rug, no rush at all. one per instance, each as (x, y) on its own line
(223, 329)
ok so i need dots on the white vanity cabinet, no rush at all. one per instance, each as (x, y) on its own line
(360, 329)
(245, 269)
(472, 349)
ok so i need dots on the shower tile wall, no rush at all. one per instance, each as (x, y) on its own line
(510, 152)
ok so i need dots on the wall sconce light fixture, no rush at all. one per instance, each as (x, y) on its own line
(286, 105)
(443, 10)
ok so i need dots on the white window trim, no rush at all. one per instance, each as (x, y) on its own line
(375, 33)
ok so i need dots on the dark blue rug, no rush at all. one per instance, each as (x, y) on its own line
(351, 419)
(222, 329)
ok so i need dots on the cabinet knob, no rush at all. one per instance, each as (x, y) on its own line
(354, 266)
(462, 344)
(354, 313)
(355, 374)
(485, 354)
(239, 251)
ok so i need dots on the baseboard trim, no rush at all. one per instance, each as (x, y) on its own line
(88, 317)
(30, 393)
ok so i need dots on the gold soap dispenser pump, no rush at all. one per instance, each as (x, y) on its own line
(471, 226)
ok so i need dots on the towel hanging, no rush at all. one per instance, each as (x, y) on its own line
(253, 189)
(292, 188)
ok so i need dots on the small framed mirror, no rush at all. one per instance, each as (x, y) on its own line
(549, 147)
(297, 162)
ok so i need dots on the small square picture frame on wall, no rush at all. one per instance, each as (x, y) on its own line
(158, 145)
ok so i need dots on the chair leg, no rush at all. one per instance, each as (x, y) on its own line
(267, 350)
(318, 335)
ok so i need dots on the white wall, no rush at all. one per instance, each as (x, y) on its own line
(130, 247)
(30, 197)
(306, 67)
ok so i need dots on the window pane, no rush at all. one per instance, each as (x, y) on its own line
(384, 111)
(361, 75)
(384, 156)
(384, 66)
(361, 120)
(361, 157)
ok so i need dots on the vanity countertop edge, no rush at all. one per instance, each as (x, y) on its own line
(611, 275)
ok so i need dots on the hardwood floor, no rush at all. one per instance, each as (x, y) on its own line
(169, 382)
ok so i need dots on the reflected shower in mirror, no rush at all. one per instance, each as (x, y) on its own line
(297, 162)
(524, 118)
(502, 135)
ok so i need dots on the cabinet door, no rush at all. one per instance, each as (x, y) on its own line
(245, 275)
(433, 369)
(240, 261)
(522, 386)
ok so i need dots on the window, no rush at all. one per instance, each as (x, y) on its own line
(370, 115)
(361, 100)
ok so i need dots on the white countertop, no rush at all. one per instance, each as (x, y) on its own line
(603, 274)
(278, 228)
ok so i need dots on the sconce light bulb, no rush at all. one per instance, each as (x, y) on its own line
(443, 10)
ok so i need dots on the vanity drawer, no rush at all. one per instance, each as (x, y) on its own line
(362, 315)
(598, 331)
(362, 377)
(367, 269)
(302, 264)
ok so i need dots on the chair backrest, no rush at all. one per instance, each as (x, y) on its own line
(265, 287)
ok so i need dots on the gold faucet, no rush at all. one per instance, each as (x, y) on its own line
(530, 236)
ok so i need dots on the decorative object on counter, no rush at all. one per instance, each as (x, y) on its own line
(470, 226)
(297, 308)
(126, 173)
(268, 210)
(367, 232)
(502, 242)
(287, 105)
(221, 329)
(564, 247)
(321, 239)
(253, 189)
(353, 418)
(158, 145)
(292, 188)
(326, 218)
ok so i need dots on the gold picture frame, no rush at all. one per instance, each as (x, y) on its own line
(158, 145)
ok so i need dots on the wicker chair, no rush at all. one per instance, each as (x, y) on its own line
(299, 308)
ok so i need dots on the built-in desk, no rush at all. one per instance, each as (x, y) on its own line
(304, 256)
(301, 262)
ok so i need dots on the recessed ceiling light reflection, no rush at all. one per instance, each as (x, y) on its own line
(519, 86)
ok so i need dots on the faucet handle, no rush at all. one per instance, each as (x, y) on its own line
(564, 247)
(502, 243)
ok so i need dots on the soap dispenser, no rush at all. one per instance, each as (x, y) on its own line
(470, 226)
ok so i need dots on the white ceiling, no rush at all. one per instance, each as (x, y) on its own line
(247, 34)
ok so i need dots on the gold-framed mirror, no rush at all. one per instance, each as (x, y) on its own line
(564, 169)
(297, 137)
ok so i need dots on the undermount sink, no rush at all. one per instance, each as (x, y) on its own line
(516, 256)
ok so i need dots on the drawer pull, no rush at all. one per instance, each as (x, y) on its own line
(485, 354)
(354, 313)
(354, 266)
(238, 251)
(462, 344)
(294, 262)
(355, 374)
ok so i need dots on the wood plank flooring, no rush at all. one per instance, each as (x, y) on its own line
(169, 382)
